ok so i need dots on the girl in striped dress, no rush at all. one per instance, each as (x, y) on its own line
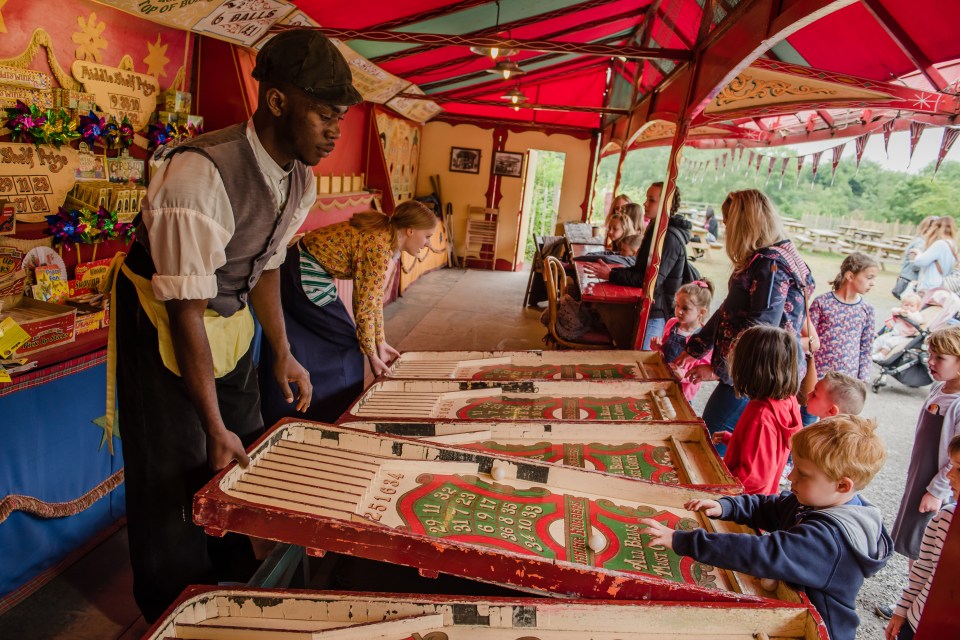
(907, 613)
(323, 336)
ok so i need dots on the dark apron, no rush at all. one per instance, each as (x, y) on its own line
(323, 340)
(910, 523)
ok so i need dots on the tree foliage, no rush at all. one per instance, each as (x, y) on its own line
(872, 193)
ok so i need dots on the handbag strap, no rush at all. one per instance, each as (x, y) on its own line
(809, 325)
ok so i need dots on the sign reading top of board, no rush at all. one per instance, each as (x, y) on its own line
(35, 180)
(121, 93)
(243, 21)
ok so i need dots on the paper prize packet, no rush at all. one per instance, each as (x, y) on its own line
(51, 285)
(12, 337)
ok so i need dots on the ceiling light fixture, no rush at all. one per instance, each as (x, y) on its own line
(494, 52)
(507, 68)
(515, 96)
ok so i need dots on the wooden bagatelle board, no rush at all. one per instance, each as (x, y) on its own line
(258, 614)
(584, 401)
(674, 454)
(531, 365)
(535, 526)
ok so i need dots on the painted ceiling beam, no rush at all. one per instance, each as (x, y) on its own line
(742, 37)
(531, 79)
(672, 26)
(578, 48)
(508, 105)
(895, 96)
(464, 59)
(516, 24)
(907, 44)
(436, 12)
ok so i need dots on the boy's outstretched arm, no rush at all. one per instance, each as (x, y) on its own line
(755, 511)
(782, 555)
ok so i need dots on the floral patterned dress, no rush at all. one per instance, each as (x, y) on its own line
(846, 332)
(769, 290)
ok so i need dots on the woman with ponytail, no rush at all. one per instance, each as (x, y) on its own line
(322, 334)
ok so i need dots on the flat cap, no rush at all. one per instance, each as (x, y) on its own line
(308, 59)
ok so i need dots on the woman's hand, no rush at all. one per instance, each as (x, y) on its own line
(930, 503)
(701, 373)
(599, 269)
(380, 363)
(709, 508)
(659, 533)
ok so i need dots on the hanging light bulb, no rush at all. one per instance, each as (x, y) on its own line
(508, 69)
(494, 52)
(515, 96)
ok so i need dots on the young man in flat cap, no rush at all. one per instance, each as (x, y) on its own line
(216, 221)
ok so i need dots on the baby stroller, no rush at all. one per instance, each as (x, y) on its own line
(907, 362)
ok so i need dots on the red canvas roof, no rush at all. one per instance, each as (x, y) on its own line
(572, 87)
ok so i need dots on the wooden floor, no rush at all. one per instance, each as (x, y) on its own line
(448, 309)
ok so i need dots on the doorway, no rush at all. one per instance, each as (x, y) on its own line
(541, 197)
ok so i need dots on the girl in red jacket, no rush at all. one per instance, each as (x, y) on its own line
(764, 368)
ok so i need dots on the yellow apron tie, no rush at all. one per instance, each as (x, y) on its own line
(229, 337)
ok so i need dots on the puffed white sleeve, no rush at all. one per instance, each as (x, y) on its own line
(189, 221)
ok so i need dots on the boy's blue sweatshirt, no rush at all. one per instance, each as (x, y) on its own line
(825, 553)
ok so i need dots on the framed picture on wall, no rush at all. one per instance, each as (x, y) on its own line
(464, 160)
(506, 163)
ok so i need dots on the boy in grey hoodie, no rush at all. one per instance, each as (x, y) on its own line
(823, 538)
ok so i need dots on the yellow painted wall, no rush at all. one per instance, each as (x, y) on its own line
(467, 189)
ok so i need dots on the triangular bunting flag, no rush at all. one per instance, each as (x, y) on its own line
(950, 135)
(716, 169)
(725, 163)
(861, 144)
(837, 152)
(739, 157)
(916, 129)
(816, 165)
(800, 160)
(749, 163)
(773, 161)
(783, 170)
(887, 130)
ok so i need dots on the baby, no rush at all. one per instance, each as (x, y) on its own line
(898, 326)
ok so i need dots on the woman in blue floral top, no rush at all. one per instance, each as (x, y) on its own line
(767, 287)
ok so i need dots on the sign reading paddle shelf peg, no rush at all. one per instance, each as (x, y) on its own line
(121, 93)
(36, 179)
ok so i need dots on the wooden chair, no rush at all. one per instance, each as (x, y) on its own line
(555, 278)
(544, 245)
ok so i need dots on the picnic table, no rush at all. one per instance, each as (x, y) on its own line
(859, 233)
(880, 250)
(794, 226)
(826, 239)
